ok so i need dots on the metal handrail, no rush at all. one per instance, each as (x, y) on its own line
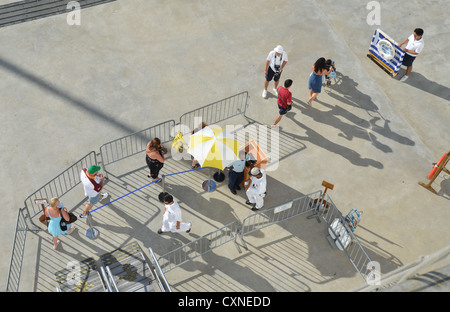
(158, 269)
(110, 275)
(105, 277)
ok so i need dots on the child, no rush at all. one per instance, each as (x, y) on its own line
(329, 63)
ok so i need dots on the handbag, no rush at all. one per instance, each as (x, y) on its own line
(63, 224)
(72, 218)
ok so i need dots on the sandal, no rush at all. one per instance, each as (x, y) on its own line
(71, 229)
(57, 244)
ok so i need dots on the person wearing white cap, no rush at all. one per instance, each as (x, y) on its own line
(275, 62)
(256, 188)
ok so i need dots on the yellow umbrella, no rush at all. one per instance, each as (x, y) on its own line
(213, 147)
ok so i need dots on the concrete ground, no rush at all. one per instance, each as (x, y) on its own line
(66, 90)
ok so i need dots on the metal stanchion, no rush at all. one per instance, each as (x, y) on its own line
(163, 193)
(92, 232)
(209, 185)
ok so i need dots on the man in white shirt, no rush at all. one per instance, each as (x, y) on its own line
(275, 62)
(414, 45)
(92, 182)
(172, 217)
(256, 188)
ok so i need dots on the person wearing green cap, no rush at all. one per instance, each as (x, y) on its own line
(92, 182)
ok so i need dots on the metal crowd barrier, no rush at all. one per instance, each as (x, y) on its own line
(134, 143)
(266, 217)
(216, 112)
(57, 187)
(354, 251)
(60, 185)
(15, 265)
(199, 247)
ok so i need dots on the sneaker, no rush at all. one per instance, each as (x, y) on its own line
(264, 94)
(189, 229)
(104, 195)
(275, 91)
(404, 78)
(82, 216)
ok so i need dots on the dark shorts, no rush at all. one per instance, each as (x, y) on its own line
(408, 60)
(282, 110)
(271, 74)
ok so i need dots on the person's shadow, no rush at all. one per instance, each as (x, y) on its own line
(421, 82)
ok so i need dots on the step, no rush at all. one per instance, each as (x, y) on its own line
(130, 269)
(81, 278)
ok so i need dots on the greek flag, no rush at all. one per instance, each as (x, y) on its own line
(385, 52)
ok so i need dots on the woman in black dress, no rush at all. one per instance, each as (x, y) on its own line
(154, 157)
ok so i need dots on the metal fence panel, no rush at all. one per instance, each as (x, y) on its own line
(264, 218)
(15, 266)
(61, 184)
(215, 112)
(198, 247)
(354, 251)
(134, 143)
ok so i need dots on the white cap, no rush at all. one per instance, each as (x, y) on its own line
(255, 171)
(278, 49)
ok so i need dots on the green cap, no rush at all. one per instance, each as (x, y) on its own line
(93, 169)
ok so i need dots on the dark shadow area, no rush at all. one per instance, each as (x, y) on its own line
(66, 97)
(350, 95)
(387, 260)
(316, 138)
(421, 82)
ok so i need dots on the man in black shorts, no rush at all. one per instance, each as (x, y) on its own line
(275, 62)
(414, 45)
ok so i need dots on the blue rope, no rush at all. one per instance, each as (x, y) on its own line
(168, 175)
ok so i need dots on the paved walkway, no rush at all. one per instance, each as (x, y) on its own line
(66, 90)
